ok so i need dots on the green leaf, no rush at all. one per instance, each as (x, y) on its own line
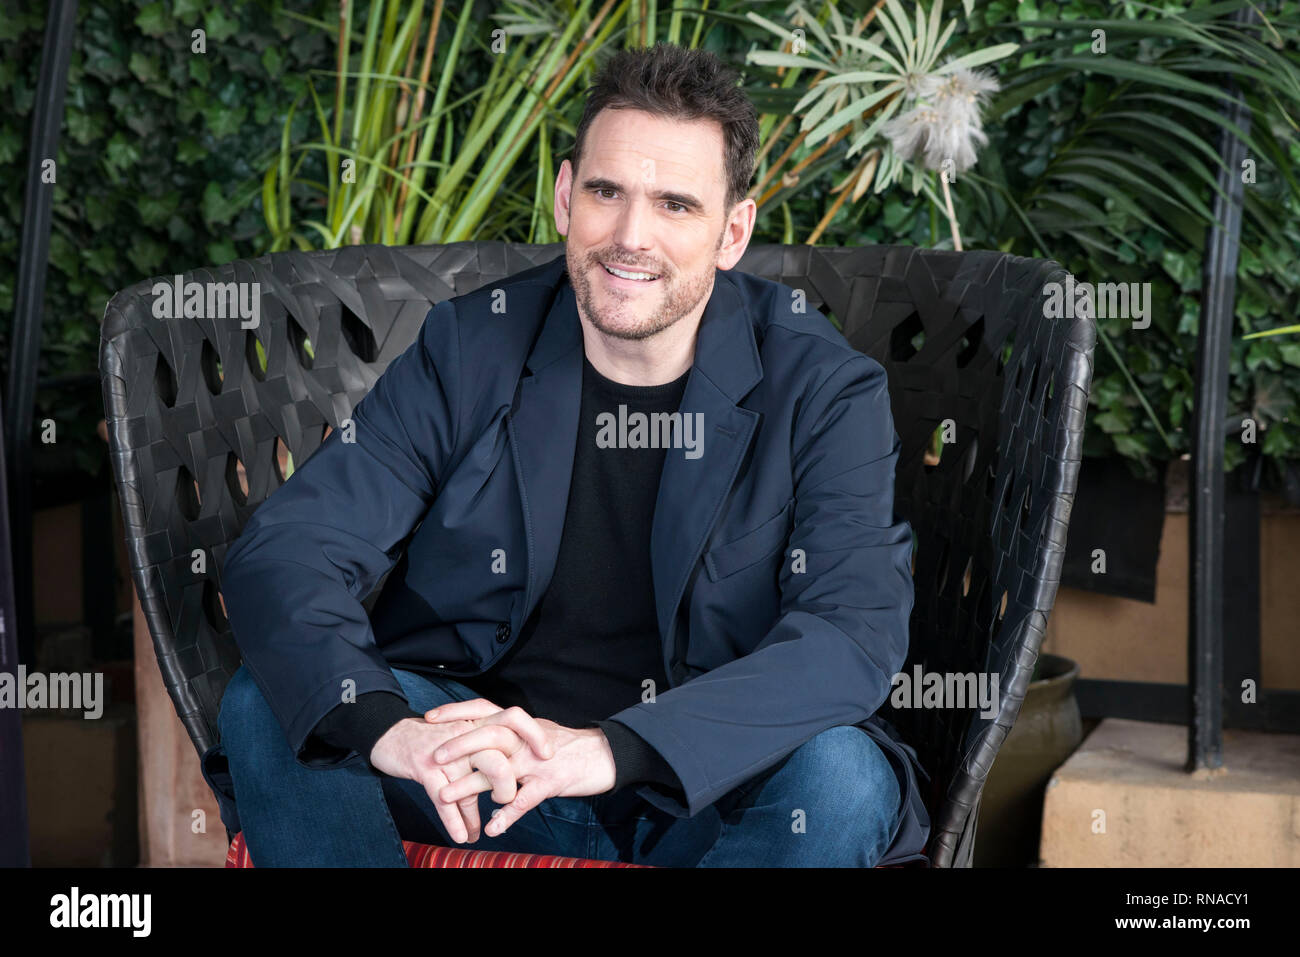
(101, 259)
(99, 210)
(156, 210)
(120, 153)
(219, 26)
(1131, 446)
(153, 20)
(1184, 268)
(146, 254)
(187, 10)
(1263, 353)
(200, 68)
(214, 207)
(1273, 399)
(82, 127)
(63, 255)
(225, 121)
(1108, 390)
(1176, 413)
(222, 251)
(1277, 443)
(978, 58)
(143, 68)
(1118, 419)
(272, 61)
(189, 150)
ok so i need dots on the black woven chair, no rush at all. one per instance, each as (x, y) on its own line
(962, 337)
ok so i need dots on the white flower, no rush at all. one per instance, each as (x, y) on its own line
(915, 133)
(945, 125)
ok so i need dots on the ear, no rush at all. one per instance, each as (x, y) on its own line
(737, 233)
(563, 190)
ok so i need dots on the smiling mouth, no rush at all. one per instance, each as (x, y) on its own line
(631, 275)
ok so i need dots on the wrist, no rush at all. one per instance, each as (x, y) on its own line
(387, 754)
(603, 759)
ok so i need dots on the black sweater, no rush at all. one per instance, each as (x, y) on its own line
(593, 640)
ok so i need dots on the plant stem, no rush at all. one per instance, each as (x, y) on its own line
(952, 216)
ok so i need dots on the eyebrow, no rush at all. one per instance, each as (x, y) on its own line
(685, 199)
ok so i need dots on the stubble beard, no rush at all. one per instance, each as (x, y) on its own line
(676, 300)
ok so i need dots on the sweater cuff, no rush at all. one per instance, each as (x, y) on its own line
(635, 760)
(358, 725)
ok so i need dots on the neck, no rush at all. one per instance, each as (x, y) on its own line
(661, 358)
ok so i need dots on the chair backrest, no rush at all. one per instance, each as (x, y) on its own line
(200, 412)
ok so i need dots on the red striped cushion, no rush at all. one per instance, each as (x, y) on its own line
(428, 855)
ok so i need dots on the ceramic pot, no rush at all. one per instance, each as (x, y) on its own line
(1047, 731)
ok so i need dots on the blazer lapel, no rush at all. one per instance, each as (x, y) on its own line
(543, 434)
(692, 490)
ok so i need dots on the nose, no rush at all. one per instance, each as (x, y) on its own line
(632, 230)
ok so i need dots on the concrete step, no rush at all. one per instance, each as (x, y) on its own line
(1124, 800)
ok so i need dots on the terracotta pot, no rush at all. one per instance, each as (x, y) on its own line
(1047, 732)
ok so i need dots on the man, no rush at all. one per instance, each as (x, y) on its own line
(646, 588)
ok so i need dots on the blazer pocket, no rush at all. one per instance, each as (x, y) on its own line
(750, 548)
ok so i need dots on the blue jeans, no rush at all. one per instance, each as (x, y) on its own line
(832, 802)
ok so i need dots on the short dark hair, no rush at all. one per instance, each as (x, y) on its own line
(677, 83)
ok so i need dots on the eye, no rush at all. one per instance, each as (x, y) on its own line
(678, 205)
(599, 190)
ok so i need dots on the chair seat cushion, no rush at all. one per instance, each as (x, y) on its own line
(429, 855)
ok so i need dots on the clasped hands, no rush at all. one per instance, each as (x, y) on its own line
(463, 748)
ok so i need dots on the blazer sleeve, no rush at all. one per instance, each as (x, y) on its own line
(358, 725)
(842, 631)
(294, 581)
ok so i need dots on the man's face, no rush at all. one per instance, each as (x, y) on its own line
(649, 202)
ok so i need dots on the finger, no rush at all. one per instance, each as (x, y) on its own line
(526, 726)
(494, 774)
(497, 768)
(470, 785)
(533, 793)
(469, 811)
(462, 710)
(450, 815)
(482, 710)
(468, 805)
(495, 736)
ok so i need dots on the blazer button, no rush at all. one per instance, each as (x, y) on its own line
(503, 632)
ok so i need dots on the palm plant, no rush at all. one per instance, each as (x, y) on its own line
(399, 167)
(1142, 160)
(1142, 157)
(861, 82)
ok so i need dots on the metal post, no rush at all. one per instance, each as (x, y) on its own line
(29, 301)
(14, 843)
(1213, 345)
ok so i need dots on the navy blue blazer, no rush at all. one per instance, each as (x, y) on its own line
(781, 574)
